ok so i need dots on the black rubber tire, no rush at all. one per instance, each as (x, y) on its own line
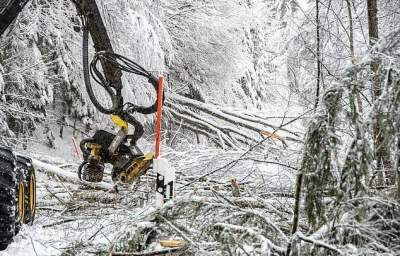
(26, 168)
(8, 183)
(30, 191)
(20, 196)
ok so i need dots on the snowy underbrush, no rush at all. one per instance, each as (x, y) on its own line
(227, 203)
(361, 226)
(210, 213)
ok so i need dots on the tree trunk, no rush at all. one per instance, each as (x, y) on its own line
(398, 168)
(299, 179)
(373, 33)
(382, 155)
(296, 210)
(351, 33)
(373, 30)
(318, 55)
(351, 42)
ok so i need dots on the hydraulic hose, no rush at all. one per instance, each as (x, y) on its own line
(118, 62)
(86, 75)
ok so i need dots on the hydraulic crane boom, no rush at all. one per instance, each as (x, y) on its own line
(104, 147)
(9, 10)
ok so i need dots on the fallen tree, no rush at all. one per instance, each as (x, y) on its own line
(224, 127)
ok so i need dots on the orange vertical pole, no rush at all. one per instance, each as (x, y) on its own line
(160, 94)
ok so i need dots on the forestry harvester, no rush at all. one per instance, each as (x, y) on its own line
(17, 175)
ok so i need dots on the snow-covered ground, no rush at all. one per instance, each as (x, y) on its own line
(74, 219)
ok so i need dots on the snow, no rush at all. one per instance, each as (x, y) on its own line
(233, 68)
(71, 215)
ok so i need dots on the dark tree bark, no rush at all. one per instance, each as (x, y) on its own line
(398, 168)
(351, 42)
(318, 55)
(296, 210)
(382, 155)
(373, 30)
(299, 179)
(351, 33)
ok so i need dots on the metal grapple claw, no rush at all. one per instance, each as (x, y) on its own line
(135, 168)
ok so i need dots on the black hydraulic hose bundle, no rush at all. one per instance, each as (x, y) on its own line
(124, 110)
(124, 64)
(86, 75)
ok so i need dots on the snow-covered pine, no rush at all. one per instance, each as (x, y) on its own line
(360, 208)
(318, 166)
(229, 58)
(39, 67)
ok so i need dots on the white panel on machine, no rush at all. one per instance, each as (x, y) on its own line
(165, 180)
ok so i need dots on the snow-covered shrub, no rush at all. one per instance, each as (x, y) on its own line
(320, 174)
(361, 219)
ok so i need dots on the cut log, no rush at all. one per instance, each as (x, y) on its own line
(172, 243)
(68, 176)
